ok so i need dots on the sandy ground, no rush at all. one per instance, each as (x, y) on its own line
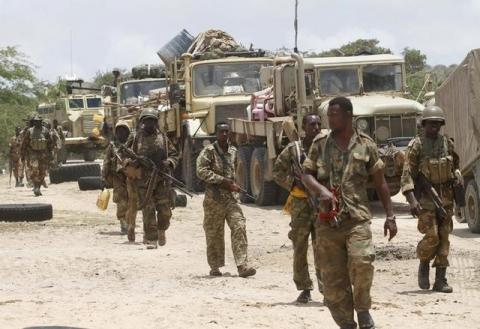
(77, 271)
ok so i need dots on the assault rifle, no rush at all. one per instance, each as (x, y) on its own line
(423, 185)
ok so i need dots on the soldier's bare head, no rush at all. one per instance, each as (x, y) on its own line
(222, 131)
(340, 114)
(311, 125)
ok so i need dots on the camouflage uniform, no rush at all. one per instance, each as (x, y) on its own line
(37, 147)
(302, 217)
(220, 205)
(57, 145)
(15, 161)
(435, 243)
(346, 253)
(158, 148)
(112, 173)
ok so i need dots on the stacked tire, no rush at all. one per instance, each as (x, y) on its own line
(73, 172)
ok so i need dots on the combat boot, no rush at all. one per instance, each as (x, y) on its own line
(365, 320)
(441, 284)
(304, 297)
(17, 183)
(245, 271)
(36, 191)
(215, 272)
(162, 239)
(131, 233)
(423, 275)
(20, 182)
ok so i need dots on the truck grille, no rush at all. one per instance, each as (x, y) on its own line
(88, 124)
(382, 127)
(223, 112)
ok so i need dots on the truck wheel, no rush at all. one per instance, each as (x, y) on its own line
(90, 183)
(72, 172)
(34, 212)
(189, 168)
(472, 206)
(89, 155)
(242, 171)
(264, 191)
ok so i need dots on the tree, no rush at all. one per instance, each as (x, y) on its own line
(357, 47)
(102, 78)
(415, 61)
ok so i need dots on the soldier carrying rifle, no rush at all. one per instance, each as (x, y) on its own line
(430, 174)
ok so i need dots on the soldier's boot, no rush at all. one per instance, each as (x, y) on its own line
(365, 320)
(123, 226)
(162, 239)
(151, 244)
(36, 191)
(423, 275)
(304, 297)
(215, 272)
(17, 182)
(349, 326)
(131, 233)
(441, 284)
(20, 182)
(245, 271)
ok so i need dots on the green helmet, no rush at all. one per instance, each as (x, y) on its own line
(149, 113)
(36, 117)
(433, 113)
(122, 123)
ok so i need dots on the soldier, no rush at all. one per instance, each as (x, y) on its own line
(302, 215)
(113, 175)
(14, 155)
(155, 198)
(343, 162)
(216, 167)
(61, 143)
(56, 143)
(432, 155)
(37, 148)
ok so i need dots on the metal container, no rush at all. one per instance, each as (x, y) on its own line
(175, 47)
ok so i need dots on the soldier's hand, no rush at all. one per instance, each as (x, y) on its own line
(167, 164)
(415, 208)
(390, 227)
(226, 184)
(234, 187)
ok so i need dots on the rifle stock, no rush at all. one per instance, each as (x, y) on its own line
(424, 185)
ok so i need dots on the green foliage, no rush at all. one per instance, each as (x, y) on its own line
(415, 61)
(103, 78)
(357, 47)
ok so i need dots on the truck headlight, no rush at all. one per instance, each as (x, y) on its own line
(362, 124)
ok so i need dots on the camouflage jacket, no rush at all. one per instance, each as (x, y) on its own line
(348, 171)
(35, 136)
(282, 170)
(112, 166)
(419, 150)
(213, 165)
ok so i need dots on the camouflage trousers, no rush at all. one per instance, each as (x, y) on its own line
(157, 211)
(435, 243)
(17, 168)
(37, 170)
(216, 213)
(302, 228)
(346, 257)
(120, 197)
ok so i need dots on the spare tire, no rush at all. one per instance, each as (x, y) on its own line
(33, 212)
(264, 191)
(90, 183)
(72, 172)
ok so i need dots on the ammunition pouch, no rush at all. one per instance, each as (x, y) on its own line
(438, 170)
(38, 144)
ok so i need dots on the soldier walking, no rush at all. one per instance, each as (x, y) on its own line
(113, 172)
(37, 149)
(303, 215)
(338, 167)
(14, 156)
(153, 195)
(216, 167)
(433, 156)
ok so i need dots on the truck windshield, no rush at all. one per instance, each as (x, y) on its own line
(382, 78)
(75, 103)
(94, 102)
(339, 81)
(227, 79)
(131, 91)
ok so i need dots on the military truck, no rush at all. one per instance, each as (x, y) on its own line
(81, 116)
(459, 97)
(374, 83)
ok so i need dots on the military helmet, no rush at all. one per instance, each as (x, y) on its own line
(122, 123)
(149, 113)
(433, 113)
(36, 117)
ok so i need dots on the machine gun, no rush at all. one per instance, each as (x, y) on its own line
(423, 185)
(156, 174)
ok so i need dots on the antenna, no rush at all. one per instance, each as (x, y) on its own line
(295, 26)
(71, 53)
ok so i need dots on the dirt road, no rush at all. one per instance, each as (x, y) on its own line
(77, 271)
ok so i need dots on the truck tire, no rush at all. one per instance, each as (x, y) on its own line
(33, 212)
(264, 191)
(180, 200)
(72, 172)
(90, 183)
(189, 168)
(472, 206)
(242, 171)
(89, 155)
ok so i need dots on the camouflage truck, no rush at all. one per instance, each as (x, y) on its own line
(374, 83)
(81, 117)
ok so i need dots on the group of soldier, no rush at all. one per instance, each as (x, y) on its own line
(328, 198)
(34, 150)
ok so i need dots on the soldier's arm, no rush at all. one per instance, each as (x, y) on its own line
(410, 167)
(456, 158)
(310, 168)
(204, 168)
(107, 163)
(173, 157)
(282, 174)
